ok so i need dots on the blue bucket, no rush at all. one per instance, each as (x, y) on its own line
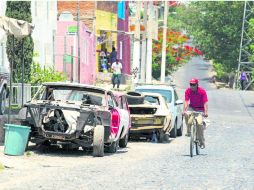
(16, 138)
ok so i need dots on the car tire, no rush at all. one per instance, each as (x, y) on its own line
(166, 138)
(123, 142)
(98, 141)
(161, 136)
(3, 101)
(134, 98)
(112, 148)
(173, 132)
(180, 130)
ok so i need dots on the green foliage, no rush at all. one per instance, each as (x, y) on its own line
(45, 74)
(251, 34)
(174, 22)
(216, 27)
(156, 65)
(20, 10)
(219, 69)
(156, 70)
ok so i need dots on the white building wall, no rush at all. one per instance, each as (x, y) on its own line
(44, 18)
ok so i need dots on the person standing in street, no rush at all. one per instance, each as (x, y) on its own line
(243, 79)
(116, 69)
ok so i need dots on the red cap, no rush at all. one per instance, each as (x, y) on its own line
(194, 81)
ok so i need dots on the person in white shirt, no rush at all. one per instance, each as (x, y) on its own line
(116, 69)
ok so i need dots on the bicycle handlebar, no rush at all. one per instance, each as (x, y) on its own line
(195, 112)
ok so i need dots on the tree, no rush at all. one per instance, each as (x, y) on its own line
(176, 52)
(216, 28)
(20, 10)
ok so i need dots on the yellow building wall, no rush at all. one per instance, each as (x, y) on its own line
(105, 21)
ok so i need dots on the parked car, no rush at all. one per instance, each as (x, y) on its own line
(175, 105)
(75, 114)
(151, 117)
(125, 117)
(4, 75)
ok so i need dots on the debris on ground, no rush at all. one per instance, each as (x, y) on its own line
(1, 167)
(29, 153)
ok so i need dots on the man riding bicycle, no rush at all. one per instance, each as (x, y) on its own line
(196, 100)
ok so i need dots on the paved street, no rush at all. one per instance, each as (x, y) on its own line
(226, 163)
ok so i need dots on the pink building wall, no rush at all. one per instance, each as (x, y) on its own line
(124, 39)
(87, 52)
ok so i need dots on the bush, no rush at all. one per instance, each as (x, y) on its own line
(45, 74)
(220, 70)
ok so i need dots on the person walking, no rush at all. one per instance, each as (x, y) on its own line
(243, 79)
(116, 69)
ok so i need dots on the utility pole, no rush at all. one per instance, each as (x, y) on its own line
(244, 61)
(163, 58)
(136, 46)
(144, 46)
(78, 35)
(149, 44)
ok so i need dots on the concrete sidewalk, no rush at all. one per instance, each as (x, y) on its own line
(108, 86)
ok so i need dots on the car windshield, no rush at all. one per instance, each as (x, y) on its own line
(152, 100)
(165, 93)
(88, 96)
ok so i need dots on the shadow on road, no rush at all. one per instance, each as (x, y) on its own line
(250, 106)
(187, 155)
(149, 141)
(56, 151)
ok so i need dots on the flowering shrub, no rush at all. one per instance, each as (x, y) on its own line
(176, 52)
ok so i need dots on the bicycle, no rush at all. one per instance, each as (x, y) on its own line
(194, 142)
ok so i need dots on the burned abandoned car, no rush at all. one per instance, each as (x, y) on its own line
(152, 117)
(80, 115)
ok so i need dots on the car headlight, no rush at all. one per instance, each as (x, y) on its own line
(159, 120)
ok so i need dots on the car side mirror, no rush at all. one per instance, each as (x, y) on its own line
(178, 102)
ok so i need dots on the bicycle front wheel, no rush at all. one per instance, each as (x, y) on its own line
(192, 143)
(197, 148)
